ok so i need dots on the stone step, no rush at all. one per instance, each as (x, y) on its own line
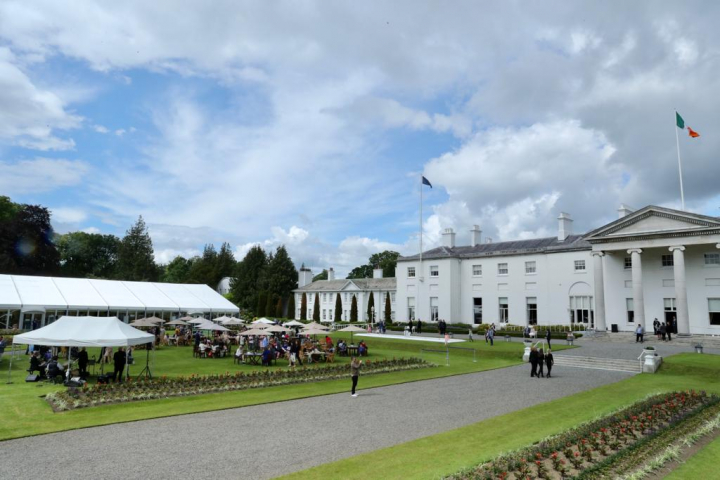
(612, 364)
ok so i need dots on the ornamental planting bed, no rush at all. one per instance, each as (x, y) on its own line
(164, 387)
(606, 447)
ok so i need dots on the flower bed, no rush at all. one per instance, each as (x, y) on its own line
(589, 450)
(164, 387)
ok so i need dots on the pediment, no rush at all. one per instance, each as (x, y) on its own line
(350, 287)
(654, 221)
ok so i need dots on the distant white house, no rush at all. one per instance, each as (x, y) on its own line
(223, 288)
(328, 290)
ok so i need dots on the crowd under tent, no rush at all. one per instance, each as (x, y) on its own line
(28, 299)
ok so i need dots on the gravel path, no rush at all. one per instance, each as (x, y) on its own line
(265, 441)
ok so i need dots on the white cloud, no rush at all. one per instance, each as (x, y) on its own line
(40, 175)
(68, 215)
(93, 230)
(100, 129)
(120, 132)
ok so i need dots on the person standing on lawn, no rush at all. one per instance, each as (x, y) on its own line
(639, 332)
(119, 362)
(355, 365)
(533, 361)
(549, 362)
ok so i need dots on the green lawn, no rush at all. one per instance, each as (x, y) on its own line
(701, 465)
(438, 455)
(23, 412)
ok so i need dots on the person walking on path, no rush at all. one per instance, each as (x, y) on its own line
(656, 327)
(418, 329)
(663, 331)
(639, 334)
(355, 365)
(541, 363)
(470, 337)
(410, 324)
(669, 331)
(548, 336)
(533, 361)
(491, 335)
(549, 362)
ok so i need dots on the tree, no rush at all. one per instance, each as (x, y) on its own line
(316, 308)
(279, 308)
(176, 271)
(303, 307)
(26, 240)
(270, 305)
(136, 260)
(225, 264)
(261, 308)
(371, 307)
(363, 271)
(88, 254)
(291, 306)
(249, 279)
(353, 310)
(338, 308)
(321, 276)
(281, 274)
(388, 309)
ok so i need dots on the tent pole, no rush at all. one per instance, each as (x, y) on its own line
(12, 356)
(126, 369)
(67, 370)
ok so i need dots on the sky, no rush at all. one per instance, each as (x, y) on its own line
(308, 124)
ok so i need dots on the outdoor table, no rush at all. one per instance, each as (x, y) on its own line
(253, 358)
(317, 356)
(352, 350)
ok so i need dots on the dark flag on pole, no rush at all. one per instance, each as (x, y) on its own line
(425, 181)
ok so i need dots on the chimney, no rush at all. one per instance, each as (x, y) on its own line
(488, 240)
(564, 226)
(331, 274)
(377, 272)
(449, 238)
(304, 276)
(475, 234)
(624, 210)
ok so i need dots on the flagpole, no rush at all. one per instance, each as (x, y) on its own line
(677, 141)
(421, 226)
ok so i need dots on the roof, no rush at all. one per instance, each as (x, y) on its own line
(339, 285)
(28, 293)
(515, 247)
(85, 332)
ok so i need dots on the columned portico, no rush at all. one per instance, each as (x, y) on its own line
(638, 298)
(600, 324)
(681, 303)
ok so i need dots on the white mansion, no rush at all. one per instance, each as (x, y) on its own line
(328, 290)
(651, 263)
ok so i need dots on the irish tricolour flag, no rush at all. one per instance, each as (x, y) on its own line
(681, 125)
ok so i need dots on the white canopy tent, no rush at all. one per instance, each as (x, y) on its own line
(264, 321)
(83, 332)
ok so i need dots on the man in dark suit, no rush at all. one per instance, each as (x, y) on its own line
(533, 361)
(83, 363)
(119, 361)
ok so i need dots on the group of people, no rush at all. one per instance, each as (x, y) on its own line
(663, 330)
(539, 359)
(414, 327)
(442, 327)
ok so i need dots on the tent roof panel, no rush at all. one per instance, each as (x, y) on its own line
(212, 299)
(151, 297)
(117, 295)
(39, 291)
(182, 296)
(85, 332)
(80, 294)
(9, 297)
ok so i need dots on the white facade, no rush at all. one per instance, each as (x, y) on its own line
(655, 263)
(328, 290)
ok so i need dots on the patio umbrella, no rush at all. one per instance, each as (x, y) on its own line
(232, 321)
(293, 323)
(154, 319)
(315, 325)
(221, 319)
(276, 329)
(264, 321)
(186, 318)
(196, 321)
(253, 332)
(213, 327)
(177, 322)
(315, 331)
(142, 323)
(351, 329)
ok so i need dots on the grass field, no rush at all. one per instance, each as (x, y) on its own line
(438, 455)
(23, 412)
(702, 465)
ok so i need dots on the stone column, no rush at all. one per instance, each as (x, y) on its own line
(600, 324)
(638, 299)
(681, 305)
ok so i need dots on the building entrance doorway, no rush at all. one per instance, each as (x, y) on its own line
(581, 310)
(670, 314)
(27, 319)
(477, 311)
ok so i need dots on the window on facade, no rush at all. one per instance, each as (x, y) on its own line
(411, 272)
(669, 304)
(628, 263)
(714, 310)
(667, 261)
(345, 315)
(530, 267)
(579, 265)
(629, 306)
(502, 268)
(477, 311)
(712, 259)
(477, 270)
(504, 310)
(532, 310)
(433, 309)
(434, 271)
(411, 308)
(324, 314)
(392, 297)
